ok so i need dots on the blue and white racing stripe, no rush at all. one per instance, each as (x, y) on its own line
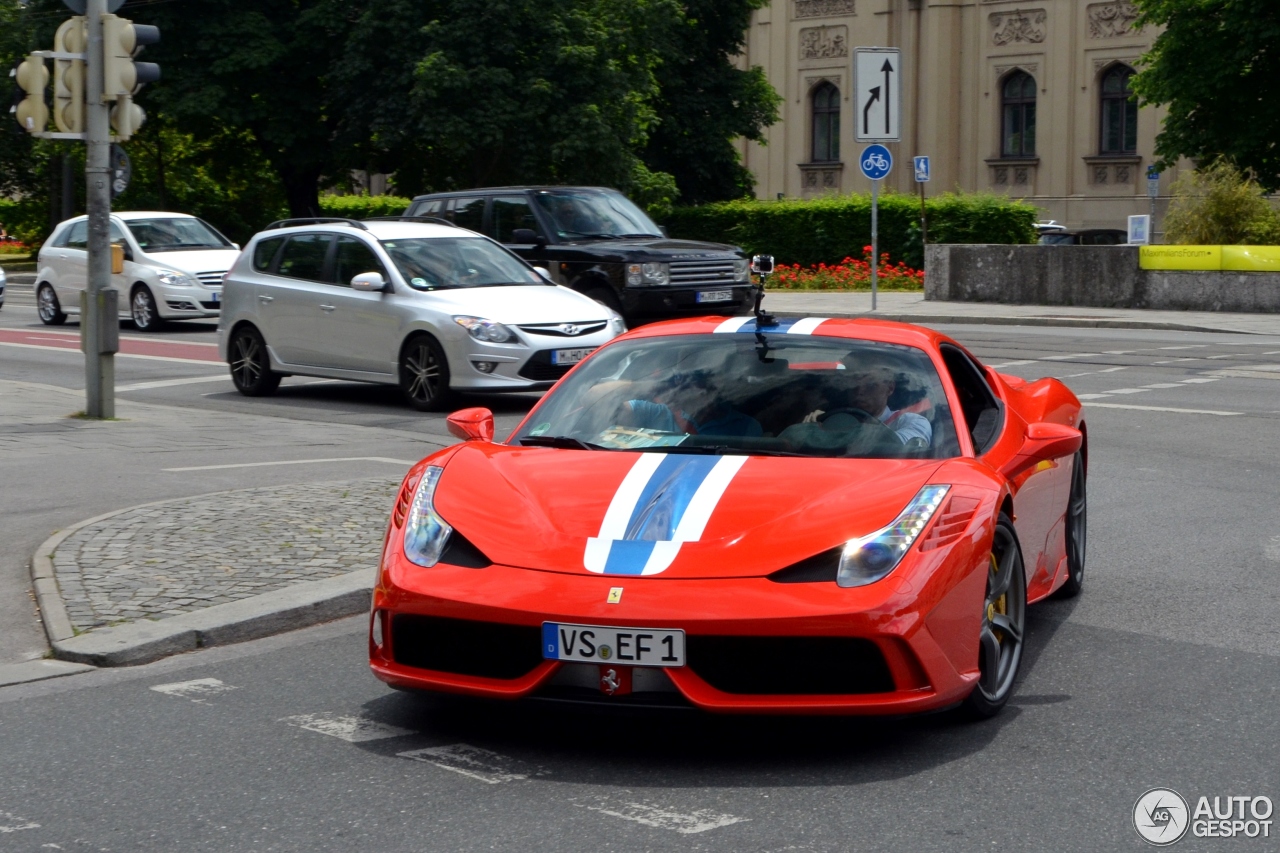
(664, 501)
(787, 325)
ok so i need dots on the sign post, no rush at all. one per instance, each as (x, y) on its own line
(1153, 192)
(876, 162)
(922, 178)
(877, 96)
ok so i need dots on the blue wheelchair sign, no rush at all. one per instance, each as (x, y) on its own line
(876, 161)
(922, 170)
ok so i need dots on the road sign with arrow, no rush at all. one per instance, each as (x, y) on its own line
(877, 88)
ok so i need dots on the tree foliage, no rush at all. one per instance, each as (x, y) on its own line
(1217, 69)
(1217, 205)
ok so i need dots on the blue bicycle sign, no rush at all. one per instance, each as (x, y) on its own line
(876, 162)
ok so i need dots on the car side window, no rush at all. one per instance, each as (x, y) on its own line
(78, 235)
(468, 213)
(981, 409)
(431, 207)
(304, 256)
(509, 213)
(265, 252)
(352, 257)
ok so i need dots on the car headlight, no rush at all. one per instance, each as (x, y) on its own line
(486, 330)
(657, 274)
(173, 278)
(425, 532)
(741, 269)
(869, 558)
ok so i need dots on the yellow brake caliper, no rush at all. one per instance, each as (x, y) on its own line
(1000, 605)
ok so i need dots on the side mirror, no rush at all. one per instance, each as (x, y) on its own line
(762, 264)
(369, 282)
(663, 230)
(471, 424)
(235, 246)
(526, 236)
(545, 273)
(1044, 441)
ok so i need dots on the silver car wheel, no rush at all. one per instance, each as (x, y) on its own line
(47, 306)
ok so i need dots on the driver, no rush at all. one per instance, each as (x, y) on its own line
(870, 384)
(571, 215)
(689, 404)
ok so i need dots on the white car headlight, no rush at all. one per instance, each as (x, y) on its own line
(486, 330)
(425, 532)
(869, 558)
(173, 278)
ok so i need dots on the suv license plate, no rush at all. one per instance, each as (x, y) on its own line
(570, 356)
(599, 644)
(714, 295)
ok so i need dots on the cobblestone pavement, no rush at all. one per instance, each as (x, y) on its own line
(187, 554)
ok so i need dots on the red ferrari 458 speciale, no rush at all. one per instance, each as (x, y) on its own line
(812, 516)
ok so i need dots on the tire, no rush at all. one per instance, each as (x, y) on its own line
(1004, 625)
(607, 298)
(424, 375)
(250, 364)
(48, 306)
(142, 308)
(1077, 529)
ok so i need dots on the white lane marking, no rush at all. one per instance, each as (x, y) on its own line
(1118, 351)
(196, 690)
(1273, 352)
(1164, 385)
(1273, 549)
(1163, 409)
(1192, 346)
(1011, 364)
(1127, 390)
(1228, 355)
(1073, 355)
(13, 823)
(118, 355)
(475, 763)
(388, 460)
(75, 336)
(1090, 396)
(344, 727)
(1113, 369)
(807, 325)
(166, 383)
(1078, 375)
(691, 823)
(1199, 380)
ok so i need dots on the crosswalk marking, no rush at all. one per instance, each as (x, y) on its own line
(661, 817)
(352, 729)
(475, 763)
(197, 690)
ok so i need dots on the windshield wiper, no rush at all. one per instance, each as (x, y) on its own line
(566, 442)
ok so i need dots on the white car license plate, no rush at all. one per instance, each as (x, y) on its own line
(570, 356)
(599, 644)
(714, 295)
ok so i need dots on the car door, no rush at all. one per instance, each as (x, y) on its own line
(72, 265)
(468, 212)
(363, 328)
(507, 214)
(298, 294)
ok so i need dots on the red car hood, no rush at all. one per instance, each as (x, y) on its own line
(678, 515)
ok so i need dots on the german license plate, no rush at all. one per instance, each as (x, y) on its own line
(570, 356)
(598, 644)
(714, 295)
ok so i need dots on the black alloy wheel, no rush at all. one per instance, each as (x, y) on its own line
(250, 365)
(1004, 622)
(48, 307)
(1077, 529)
(424, 375)
(142, 308)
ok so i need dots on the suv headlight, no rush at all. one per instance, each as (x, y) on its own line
(425, 532)
(741, 269)
(871, 557)
(649, 274)
(486, 330)
(173, 278)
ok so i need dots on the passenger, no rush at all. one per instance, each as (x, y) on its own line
(688, 404)
(870, 383)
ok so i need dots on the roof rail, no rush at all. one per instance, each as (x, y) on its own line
(436, 219)
(313, 220)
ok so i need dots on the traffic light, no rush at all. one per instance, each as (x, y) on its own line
(121, 40)
(69, 76)
(32, 78)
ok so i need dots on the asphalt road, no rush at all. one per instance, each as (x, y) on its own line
(1163, 673)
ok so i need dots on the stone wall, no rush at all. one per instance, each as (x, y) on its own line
(1093, 276)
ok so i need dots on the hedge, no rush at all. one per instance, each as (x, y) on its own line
(829, 229)
(27, 219)
(362, 206)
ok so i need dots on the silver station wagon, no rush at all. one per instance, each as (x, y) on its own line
(428, 306)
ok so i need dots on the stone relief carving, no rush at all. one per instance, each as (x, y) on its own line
(1099, 64)
(1100, 174)
(810, 82)
(1002, 176)
(824, 42)
(1029, 67)
(1122, 174)
(1112, 20)
(824, 8)
(1020, 175)
(1018, 26)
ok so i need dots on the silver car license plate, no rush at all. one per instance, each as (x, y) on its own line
(570, 356)
(604, 644)
(714, 295)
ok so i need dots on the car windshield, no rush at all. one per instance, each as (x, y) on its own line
(1057, 238)
(771, 394)
(174, 234)
(431, 263)
(580, 213)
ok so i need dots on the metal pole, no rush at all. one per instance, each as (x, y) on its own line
(924, 222)
(98, 306)
(1151, 226)
(875, 241)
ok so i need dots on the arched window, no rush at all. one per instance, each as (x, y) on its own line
(826, 124)
(1119, 112)
(1018, 122)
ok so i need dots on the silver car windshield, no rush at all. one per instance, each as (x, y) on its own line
(431, 263)
(173, 234)
(774, 394)
(595, 214)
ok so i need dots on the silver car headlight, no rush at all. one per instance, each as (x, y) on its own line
(741, 269)
(657, 274)
(486, 330)
(425, 532)
(173, 278)
(869, 558)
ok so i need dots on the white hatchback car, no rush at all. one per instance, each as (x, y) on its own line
(173, 268)
(427, 306)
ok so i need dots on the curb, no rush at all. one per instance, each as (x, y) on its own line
(295, 606)
(1065, 322)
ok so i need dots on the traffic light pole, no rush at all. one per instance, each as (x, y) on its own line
(99, 319)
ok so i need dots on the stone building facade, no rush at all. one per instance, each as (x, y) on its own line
(1024, 97)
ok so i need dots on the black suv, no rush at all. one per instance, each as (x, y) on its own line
(596, 241)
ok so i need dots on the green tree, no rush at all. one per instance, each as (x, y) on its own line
(1217, 205)
(706, 102)
(1217, 69)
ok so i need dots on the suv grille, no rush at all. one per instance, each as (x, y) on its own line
(702, 273)
(211, 279)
